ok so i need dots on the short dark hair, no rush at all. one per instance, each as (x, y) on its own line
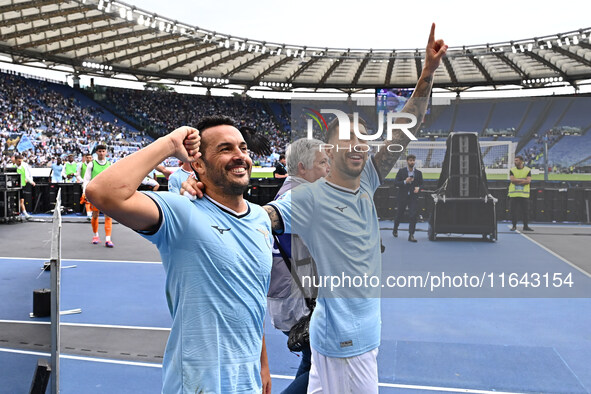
(101, 146)
(215, 120)
(281, 156)
(212, 121)
(411, 156)
(519, 157)
(17, 157)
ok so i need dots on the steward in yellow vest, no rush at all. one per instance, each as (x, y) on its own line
(519, 192)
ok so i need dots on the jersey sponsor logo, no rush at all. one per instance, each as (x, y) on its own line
(341, 208)
(221, 230)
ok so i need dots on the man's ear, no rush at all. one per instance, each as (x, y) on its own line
(198, 166)
(301, 170)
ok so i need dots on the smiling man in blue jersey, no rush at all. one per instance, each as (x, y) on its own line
(216, 252)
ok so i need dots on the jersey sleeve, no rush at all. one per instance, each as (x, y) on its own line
(296, 208)
(174, 213)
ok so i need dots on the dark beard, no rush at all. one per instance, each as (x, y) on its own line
(229, 188)
(233, 189)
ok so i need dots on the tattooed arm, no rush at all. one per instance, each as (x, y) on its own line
(416, 105)
(276, 221)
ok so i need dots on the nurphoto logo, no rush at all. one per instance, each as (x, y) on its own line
(345, 127)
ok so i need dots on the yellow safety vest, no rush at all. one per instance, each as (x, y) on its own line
(519, 190)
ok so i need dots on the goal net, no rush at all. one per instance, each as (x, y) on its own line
(497, 156)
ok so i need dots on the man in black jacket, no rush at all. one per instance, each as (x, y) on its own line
(409, 181)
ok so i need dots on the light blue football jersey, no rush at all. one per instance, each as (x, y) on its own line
(176, 180)
(56, 173)
(218, 265)
(340, 227)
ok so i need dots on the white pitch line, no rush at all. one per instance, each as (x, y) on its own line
(417, 387)
(83, 260)
(448, 389)
(88, 325)
(81, 358)
(286, 377)
(556, 255)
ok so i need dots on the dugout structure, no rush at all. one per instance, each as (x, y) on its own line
(462, 203)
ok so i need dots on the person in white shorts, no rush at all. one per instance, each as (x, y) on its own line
(336, 218)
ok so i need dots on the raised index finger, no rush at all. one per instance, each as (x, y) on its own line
(432, 34)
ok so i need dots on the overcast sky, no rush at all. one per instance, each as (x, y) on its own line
(377, 24)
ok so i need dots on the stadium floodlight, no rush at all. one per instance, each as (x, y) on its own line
(130, 15)
(108, 8)
(140, 19)
(575, 40)
(256, 48)
(101, 4)
(161, 26)
(530, 46)
(288, 52)
(559, 42)
(278, 52)
(122, 12)
(567, 41)
(147, 22)
(513, 49)
(549, 44)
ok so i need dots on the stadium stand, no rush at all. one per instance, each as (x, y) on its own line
(160, 112)
(57, 120)
(60, 120)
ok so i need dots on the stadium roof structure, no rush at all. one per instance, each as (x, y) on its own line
(114, 39)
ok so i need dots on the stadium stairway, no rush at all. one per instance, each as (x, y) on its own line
(85, 101)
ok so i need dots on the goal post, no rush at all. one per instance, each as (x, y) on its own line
(497, 156)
